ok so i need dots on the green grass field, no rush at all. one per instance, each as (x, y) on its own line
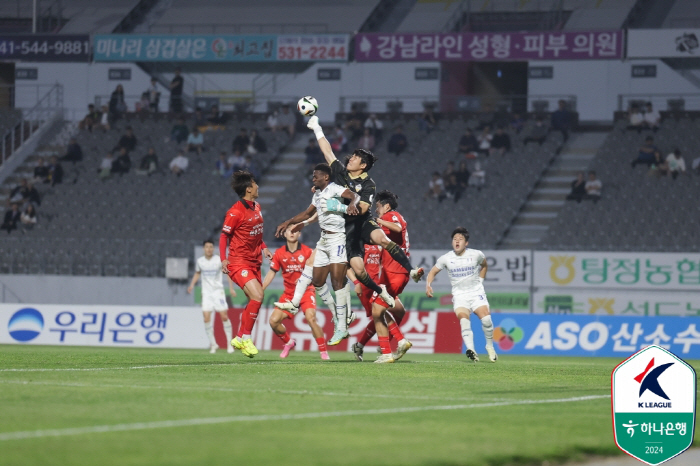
(100, 406)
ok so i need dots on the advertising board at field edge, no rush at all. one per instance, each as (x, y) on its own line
(663, 43)
(45, 47)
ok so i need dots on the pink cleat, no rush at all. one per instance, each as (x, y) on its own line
(324, 356)
(287, 348)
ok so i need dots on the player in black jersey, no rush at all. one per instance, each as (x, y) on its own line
(362, 228)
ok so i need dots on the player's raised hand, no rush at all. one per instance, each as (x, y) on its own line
(281, 228)
(313, 123)
(296, 227)
(428, 291)
(352, 210)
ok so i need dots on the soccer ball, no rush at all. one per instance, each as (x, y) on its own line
(307, 106)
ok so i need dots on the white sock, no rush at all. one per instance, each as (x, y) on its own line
(209, 327)
(467, 334)
(348, 289)
(245, 337)
(228, 330)
(341, 309)
(487, 326)
(326, 297)
(302, 285)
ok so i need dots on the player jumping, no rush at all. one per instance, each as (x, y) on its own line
(467, 270)
(213, 296)
(242, 235)
(290, 259)
(330, 249)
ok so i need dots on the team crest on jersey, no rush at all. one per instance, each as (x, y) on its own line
(358, 188)
(301, 258)
(244, 273)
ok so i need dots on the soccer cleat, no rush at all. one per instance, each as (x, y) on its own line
(287, 306)
(385, 296)
(492, 353)
(417, 273)
(287, 348)
(403, 346)
(384, 359)
(236, 343)
(212, 349)
(379, 350)
(359, 351)
(247, 348)
(324, 356)
(338, 336)
(471, 354)
(229, 350)
(350, 318)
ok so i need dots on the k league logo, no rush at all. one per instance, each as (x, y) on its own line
(653, 404)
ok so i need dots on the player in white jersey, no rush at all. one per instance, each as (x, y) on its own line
(330, 255)
(213, 296)
(467, 270)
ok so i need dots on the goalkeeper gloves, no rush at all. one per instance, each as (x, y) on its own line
(334, 205)
(314, 126)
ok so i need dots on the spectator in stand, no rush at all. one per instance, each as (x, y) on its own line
(117, 106)
(287, 121)
(375, 126)
(675, 164)
(55, 171)
(500, 144)
(33, 196)
(484, 140)
(652, 118)
(153, 96)
(636, 120)
(427, 121)
(478, 177)
(339, 142)
(215, 120)
(179, 132)
(105, 169)
(41, 171)
(366, 141)
(468, 145)
(20, 193)
(516, 123)
(451, 185)
(199, 120)
(176, 86)
(195, 141)
(143, 106)
(449, 170)
(122, 164)
(127, 141)
(12, 219)
(272, 123)
(593, 187)
(222, 166)
(92, 118)
(538, 133)
(354, 122)
(257, 144)
(648, 154)
(313, 153)
(104, 119)
(236, 161)
(462, 176)
(436, 188)
(149, 163)
(179, 164)
(561, 120)
(241, 141)
(695, 165)
(397, 142)
(28, 218)
(578, 189)
(73, 152)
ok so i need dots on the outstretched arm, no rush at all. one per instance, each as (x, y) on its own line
(323, 143)
(268, 278)
(300, 217)
(431, 276)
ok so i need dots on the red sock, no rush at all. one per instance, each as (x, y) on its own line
(242, 326)
(395, 331)
(384, 345)
(284, 337)
(368, 334)
(251, 311)
(321, 344)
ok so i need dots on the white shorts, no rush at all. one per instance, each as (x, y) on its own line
(330, 249)
(215, 301)
(470, 301)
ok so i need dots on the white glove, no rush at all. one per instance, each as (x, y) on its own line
(313, 123)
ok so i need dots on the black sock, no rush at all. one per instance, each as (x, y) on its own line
(365, 279)
(398, 255)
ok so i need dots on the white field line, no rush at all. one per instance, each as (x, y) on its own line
(269, 417)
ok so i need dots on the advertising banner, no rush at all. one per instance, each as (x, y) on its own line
(476, 46)
(661, 43)
(51, 48)
(591, 335)
(613, 302)
(124, 326)
(633, 270)
(220, 48)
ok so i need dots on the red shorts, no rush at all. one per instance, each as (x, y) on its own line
(366, 299)
(242, 274)
(308, 301)
(395, 283)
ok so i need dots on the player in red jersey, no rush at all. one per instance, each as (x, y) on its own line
(290, 259)
(241, 235)
(394, 277)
